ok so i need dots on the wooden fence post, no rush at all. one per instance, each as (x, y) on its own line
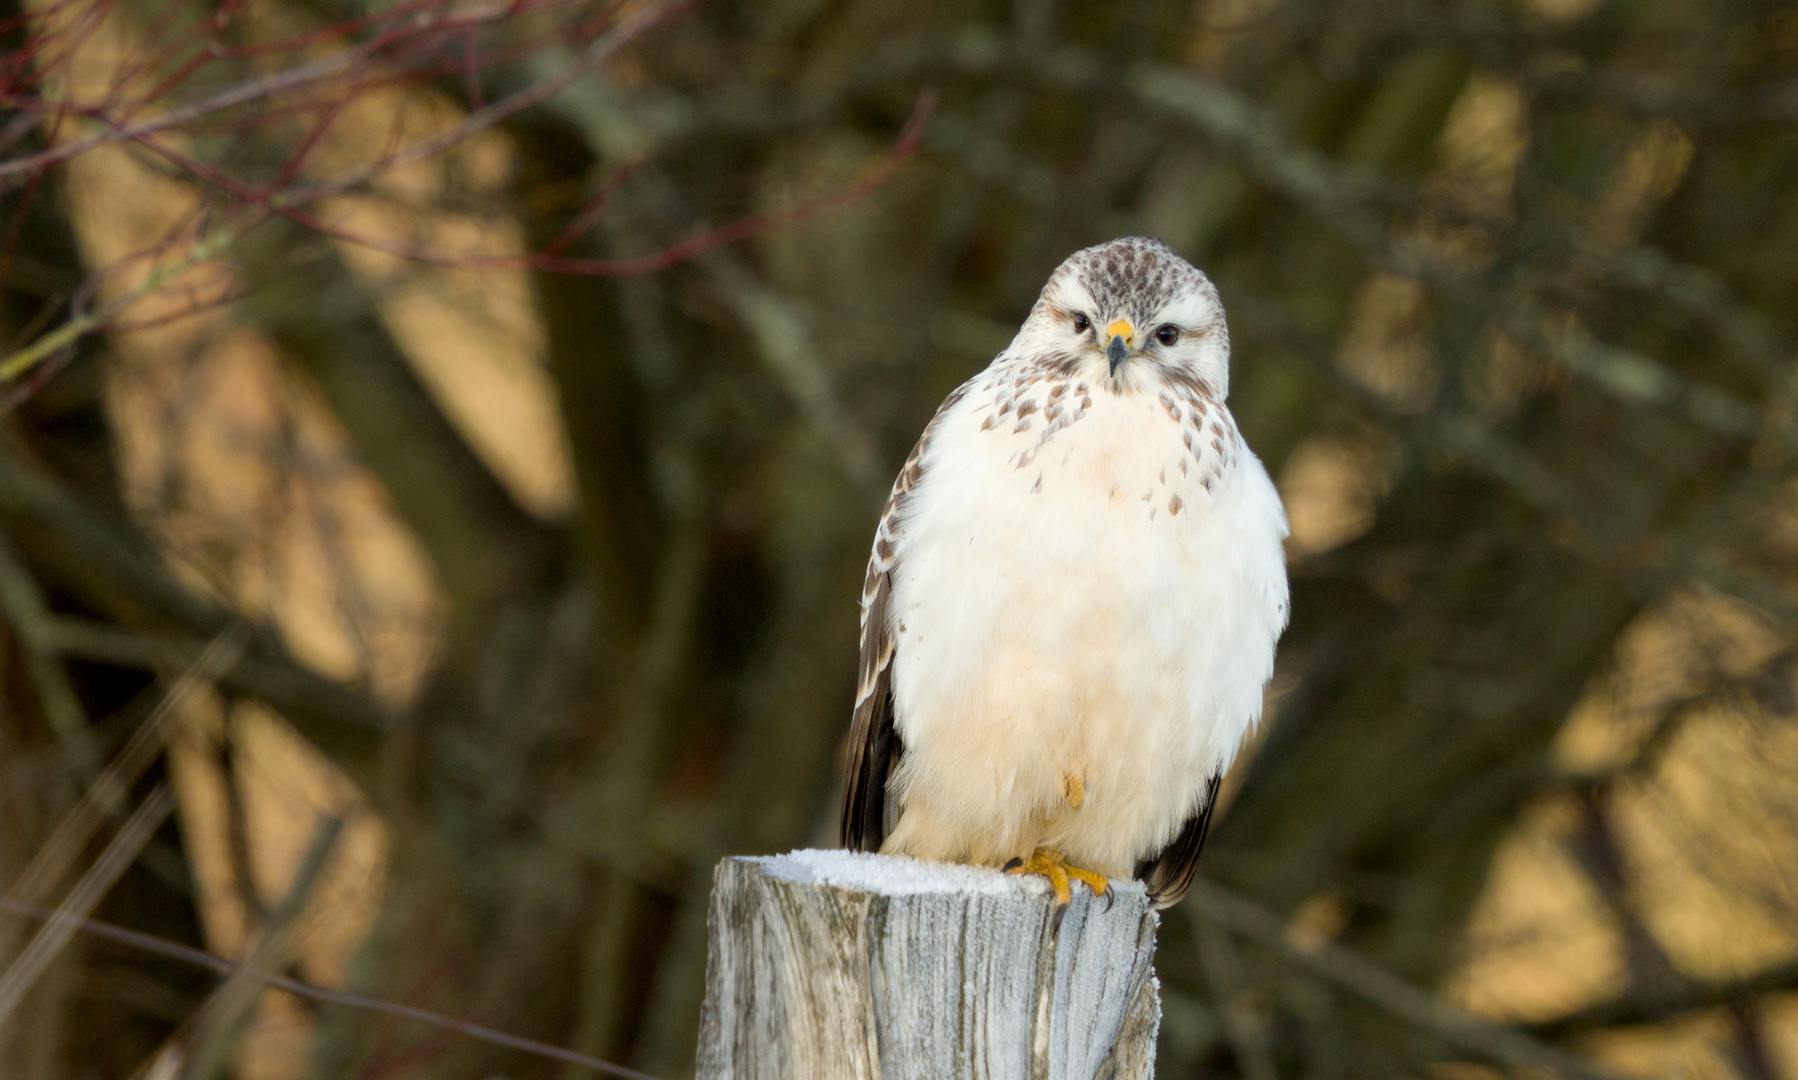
(840, 966)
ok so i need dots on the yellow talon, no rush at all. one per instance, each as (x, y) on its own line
(1094, 881)
(1051, 865)
(1075, 790)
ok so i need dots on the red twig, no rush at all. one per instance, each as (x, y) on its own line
(424, 37)
(471, 68)
(418, 31)
(241, 94)
(85, 26)
(550, 262)
(297, 160)
(381, 1062)
(393, 29)
(595, 206)
(427, 1048)
(483, 118)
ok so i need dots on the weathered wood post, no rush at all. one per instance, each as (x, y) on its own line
(840, 966)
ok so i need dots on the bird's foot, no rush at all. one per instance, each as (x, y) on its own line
(1051, 865)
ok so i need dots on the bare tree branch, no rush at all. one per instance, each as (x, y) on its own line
(479, 539)
(80, 902)
(1379, 987)
(1630, 1011)
(166, 627)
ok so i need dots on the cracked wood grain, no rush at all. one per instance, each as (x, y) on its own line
(826, 964)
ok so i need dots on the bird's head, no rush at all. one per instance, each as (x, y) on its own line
(1132, 315)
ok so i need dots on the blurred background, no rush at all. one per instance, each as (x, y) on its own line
(442, 441)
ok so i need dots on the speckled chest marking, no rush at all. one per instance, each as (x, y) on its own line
(1046, 399)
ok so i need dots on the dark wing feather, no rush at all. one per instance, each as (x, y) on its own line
(1169, 873)
(874, 747)
(874, 743)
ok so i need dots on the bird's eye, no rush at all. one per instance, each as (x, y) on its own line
(1081, 323)
(1168, 334)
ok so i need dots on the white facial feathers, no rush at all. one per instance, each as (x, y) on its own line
(1142, 283)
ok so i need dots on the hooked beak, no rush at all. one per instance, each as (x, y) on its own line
(1122, 335)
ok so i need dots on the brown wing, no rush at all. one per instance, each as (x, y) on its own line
(874, 744)
(874, 747)
(1170, 872)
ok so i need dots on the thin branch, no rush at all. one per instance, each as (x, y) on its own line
(199, 958)
(106, 563)
(223, 1018)
(93, 886)
(1223, 973)
(1753, 1057)
(1381, 988)
(24, 604)
(108, 792)
(1595, 848)
(1347, 199)
(241, 94)
(339, 720)
(481, 119)
(784, 339)
(201, 251)
(481, 542)
(1630, 1011)
(404, 24)
(287, 204)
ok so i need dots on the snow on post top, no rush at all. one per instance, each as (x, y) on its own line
(900, 875)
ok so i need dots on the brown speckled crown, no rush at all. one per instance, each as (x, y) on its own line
(1132, 275)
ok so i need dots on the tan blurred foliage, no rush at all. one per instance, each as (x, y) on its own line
(549, 578)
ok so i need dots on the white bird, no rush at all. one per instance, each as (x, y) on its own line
(1075, 593)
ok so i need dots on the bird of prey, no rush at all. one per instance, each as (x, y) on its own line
(1074, 596)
